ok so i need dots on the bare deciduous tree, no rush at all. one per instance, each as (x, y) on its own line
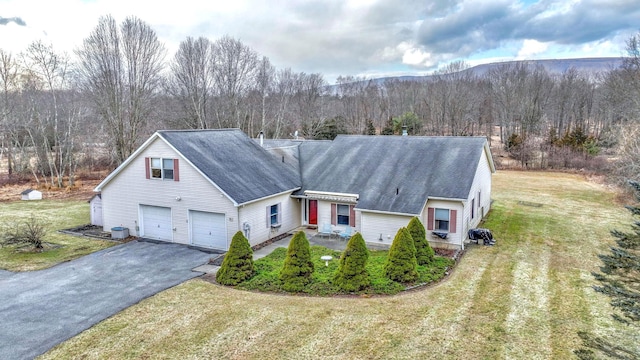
(53, 117)
(120, 69)
(191, 81)
(235, 69)
(9, 90)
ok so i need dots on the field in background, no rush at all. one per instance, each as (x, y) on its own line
(525, 297)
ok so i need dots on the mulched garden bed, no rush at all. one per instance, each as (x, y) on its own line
(94, 231)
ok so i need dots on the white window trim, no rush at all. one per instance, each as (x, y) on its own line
(338, 214)
(162, 169)
(436, 220)
(277, 214)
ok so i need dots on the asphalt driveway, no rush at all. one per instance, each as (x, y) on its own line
(40, 309)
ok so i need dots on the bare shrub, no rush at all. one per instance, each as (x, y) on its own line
(28, 232)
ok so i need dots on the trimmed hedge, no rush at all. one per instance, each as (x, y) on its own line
(424, 251)
(298, 268)
(401, 265)
(237, 265)
(352, 274)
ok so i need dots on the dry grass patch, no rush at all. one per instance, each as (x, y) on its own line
(61, 247)
(524, 298)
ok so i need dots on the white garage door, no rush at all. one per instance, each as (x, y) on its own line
(208, 229)
(156, 222)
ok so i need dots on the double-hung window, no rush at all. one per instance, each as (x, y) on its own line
(162, 168)
(343, 213)
(273, 215)
(442, 219)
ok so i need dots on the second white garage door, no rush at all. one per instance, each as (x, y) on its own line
(208, 229)
(156, 222)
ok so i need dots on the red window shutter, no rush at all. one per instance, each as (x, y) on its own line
(352, 216)
(147, 168)
(453, 218)
(334, 216)
(430, 218)
(176, 170)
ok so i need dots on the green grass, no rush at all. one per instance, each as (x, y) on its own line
(524, 298)
(268, 268)
(60, 247)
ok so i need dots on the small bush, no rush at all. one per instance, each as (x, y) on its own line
(401, 264)
(424, 251)
(298, 268)
(352, 273)
(267, 271)
(237, 265)
(28, 232)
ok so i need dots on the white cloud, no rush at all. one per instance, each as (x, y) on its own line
(417, 57)
(531, 48)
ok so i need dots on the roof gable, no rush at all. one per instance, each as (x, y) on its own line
(392, 173)
(235, 163)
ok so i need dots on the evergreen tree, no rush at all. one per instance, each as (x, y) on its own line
(352, 274)
(401, 264)
(424, 251)
(237, 265)
(371, 129)
(298, 268)
(388, 127)
(619, 278)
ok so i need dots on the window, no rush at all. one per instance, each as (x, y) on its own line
(167, 169)
(156, 168)
(162, 168)
(343, 214)
(473, 208)
(442, 219)
(273, 215)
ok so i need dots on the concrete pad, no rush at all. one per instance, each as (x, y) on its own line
(41, 309)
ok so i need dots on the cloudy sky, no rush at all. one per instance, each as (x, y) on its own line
(370, 38)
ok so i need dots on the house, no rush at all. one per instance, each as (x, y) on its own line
(376, 184)
(199, 187)
(31, 194)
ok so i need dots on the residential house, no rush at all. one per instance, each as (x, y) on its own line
(199, 187)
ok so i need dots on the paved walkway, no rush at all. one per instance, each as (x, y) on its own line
(40, 309)
(332, 242)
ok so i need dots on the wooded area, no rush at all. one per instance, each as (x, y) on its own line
(60, 113)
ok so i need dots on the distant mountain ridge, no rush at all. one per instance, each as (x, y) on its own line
(555, 66)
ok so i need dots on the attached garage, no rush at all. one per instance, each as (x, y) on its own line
(208, 229)
(156, 222)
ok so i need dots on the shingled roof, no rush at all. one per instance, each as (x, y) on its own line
(392, 173)
(234, 162)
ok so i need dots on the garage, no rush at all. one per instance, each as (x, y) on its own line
(208, 229)
(156, 222)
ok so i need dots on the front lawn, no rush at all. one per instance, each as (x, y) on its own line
(524, 298)
(59, 247)
(268, 269)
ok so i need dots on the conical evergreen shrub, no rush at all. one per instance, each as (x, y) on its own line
(401, 264)
(298, 268)
(237, 265)
(424, 251)
(352, 274)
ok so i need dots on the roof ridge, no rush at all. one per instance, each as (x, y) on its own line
(198, 130)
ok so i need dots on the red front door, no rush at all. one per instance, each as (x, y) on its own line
(313, 212)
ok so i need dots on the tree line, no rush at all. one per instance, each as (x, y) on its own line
(58, 114)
